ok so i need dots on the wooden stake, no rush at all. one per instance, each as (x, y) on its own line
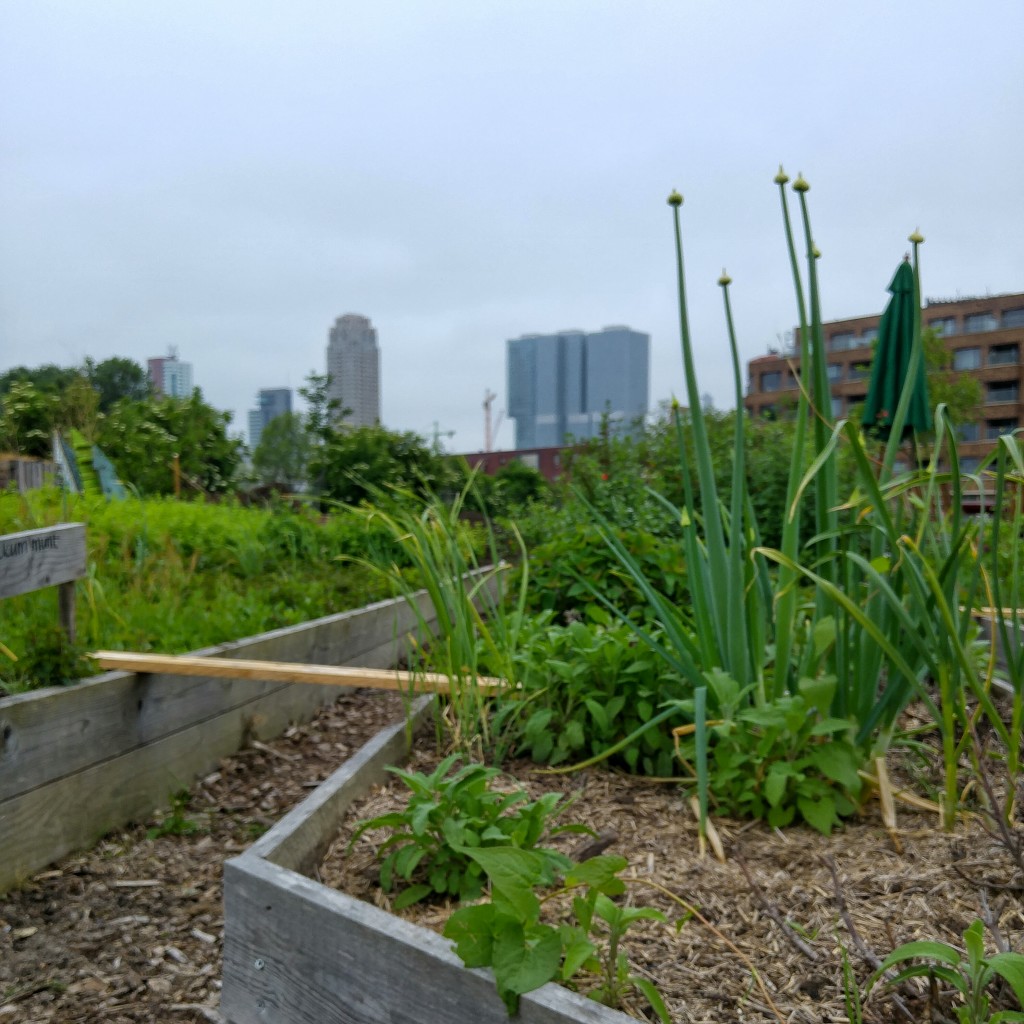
(285, 672)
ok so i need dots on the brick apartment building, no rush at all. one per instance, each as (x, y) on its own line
(985, 338)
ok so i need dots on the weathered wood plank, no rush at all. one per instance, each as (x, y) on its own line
(282, 672)
(301, 838)
(74, 811)
(34, 559)
(61, 731)
(296, 952)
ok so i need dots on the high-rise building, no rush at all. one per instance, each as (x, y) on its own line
(170, 376)
(353, 364)
(270, 403)
(984, 338)
(567, 383)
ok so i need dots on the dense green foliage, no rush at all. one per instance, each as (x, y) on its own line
(282, 456)
(173, 576)
(451, 812)
(142, 439)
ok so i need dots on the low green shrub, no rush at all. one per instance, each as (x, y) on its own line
(452, 813)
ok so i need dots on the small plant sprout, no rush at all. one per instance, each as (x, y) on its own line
(971, 973)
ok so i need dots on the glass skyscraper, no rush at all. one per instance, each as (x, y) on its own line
(566, 383)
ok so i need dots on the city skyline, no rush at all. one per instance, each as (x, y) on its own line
(234, 204)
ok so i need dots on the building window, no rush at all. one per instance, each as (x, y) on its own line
(980, 322)
(835, 371)
(837, 407)
(869, 336)
(994, 429)
(967, 359)
(771, 381)
(1000, 391)
(858, 371)
(1013, 318)
(970, 463)
(842, 341)
(998, 355)
(943, 326)
(968, 431)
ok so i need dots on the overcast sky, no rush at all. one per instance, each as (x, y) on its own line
(228, 177)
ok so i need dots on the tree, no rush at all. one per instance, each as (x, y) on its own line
(117, 378)
(961, 394)
(283, 453)
(323, 413)
(357, 460)
(48, 379)
(27, 419)
(142, 438)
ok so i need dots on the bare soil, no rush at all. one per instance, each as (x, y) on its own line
(775, 917)
(131, 930)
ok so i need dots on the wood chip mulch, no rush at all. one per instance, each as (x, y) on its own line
(776, 916)
(131, 931)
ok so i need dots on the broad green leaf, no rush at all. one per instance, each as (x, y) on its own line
(819, 814)
(818, 692)
(513, 874)
(824, 635)
(597, 871)
(920, 948)
(775, 783)
(837, 762)
(470, 929)
(1010, 967)
(523, 960)
(576, 952)
(597, 713)
(407, 897)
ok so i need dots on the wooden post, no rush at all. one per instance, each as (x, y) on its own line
(66, 609)
(176, 465)
(51, 557)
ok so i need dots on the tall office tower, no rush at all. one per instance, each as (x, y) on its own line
(271, 403)
(564, 384)
(353, 363)
(170, 376)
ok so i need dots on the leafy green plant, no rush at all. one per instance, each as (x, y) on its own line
(175, 576)
(449, 814)
(507, 933)
(476, 619)
(783, 760)
(582, 688)
(176, 823)
(970, 973)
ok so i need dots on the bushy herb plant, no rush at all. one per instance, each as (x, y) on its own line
(507, 932)
(585, 687)
(450, 813)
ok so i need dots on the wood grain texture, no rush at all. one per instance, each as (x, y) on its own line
(38, 826)
(34, 559)
(301, 838)
(296, 952)
(174, 665)
(77, 762)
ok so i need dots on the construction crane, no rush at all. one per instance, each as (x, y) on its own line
(490, 432)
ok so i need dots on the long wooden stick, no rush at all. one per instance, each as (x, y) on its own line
(284, 672)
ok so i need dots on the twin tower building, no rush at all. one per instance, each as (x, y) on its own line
(570, 383)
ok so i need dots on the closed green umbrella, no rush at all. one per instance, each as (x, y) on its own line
(891, 365)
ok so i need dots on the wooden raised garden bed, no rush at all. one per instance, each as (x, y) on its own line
(77, 762)
(297, 952)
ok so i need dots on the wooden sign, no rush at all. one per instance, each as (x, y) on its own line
(54, 556)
